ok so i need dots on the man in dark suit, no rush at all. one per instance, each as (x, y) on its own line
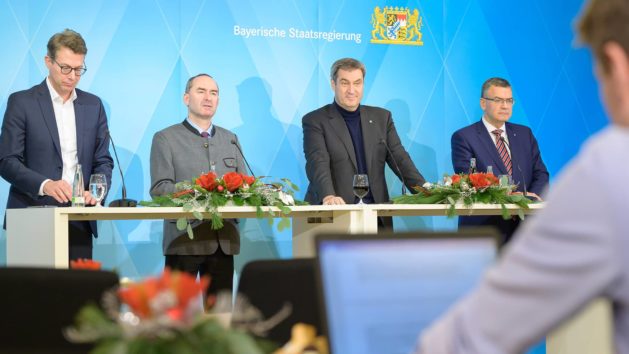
(345, 138)
(48, 130)
(511, 149)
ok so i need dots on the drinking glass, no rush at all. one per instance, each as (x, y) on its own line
(505, 180)
(98, 187)
(361, 187)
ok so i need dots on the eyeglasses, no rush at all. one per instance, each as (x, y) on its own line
(66, 69)
(500, 101)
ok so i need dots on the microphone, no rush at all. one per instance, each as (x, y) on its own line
(233, 141)
(397, 168)
(124, 202)
(516, 165)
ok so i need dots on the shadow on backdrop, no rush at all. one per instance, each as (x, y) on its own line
(261, 137)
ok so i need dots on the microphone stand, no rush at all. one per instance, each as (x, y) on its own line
(397, 168)
(233, 141)
(124, 202)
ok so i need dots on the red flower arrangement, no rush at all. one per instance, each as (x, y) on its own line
(233, 181)
(482, 180)
(182, 286)
(467, 190)
(87, 264)
(208, 192)
(165, 316)
(207, 181)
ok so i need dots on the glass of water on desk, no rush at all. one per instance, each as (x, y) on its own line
(361, 187)
(505, 180)
(98, 187)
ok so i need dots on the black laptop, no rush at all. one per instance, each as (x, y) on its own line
(379, 292)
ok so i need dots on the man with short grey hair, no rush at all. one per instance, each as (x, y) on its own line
(345, 138)
(183, 152)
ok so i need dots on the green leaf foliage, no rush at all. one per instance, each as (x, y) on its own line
(283, 224)
(463, 192)
(195, 199)
(182, 223)
(189, 231)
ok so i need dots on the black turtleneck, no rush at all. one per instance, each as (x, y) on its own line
(352, 121)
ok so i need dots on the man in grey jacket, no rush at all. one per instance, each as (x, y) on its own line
(183, 152)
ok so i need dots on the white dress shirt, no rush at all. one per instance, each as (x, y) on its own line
(66, 126)
(490, 128)
(573, 251)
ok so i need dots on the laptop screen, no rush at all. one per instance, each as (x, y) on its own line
(380, 292)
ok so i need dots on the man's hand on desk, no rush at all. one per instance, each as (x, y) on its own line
(89, 199)
(333, 200)
(60, 190)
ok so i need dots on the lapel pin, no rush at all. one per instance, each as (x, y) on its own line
(370, 121)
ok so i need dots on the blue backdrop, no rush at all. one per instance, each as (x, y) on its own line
(142, 52)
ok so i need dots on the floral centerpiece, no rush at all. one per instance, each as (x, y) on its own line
(86, 264)
(208, 192)
(166, 316)
(467, 189)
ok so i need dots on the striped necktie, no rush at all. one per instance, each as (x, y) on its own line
(502, 150)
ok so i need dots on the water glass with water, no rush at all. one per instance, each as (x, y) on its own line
(98, 187)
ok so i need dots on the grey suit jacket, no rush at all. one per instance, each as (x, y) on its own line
(179, 153)
(331, 160)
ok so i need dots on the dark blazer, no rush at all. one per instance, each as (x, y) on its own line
(528, 168)
(29, 145)
(331, 160)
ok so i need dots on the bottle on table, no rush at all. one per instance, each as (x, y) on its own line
(78, 188)
(472, 165)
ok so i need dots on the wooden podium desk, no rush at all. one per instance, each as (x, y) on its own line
(39, 236)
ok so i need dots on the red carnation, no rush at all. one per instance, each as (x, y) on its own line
(456, 179)
(493, 180)
(207, 181)
(482, 180)
(138, 296)
(233, 181)
(248, 179)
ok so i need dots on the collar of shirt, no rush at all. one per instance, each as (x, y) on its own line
(55, 96)
(209, 129)
(490, 128)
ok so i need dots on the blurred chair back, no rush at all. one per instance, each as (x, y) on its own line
(36, 304)
(269, 284)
